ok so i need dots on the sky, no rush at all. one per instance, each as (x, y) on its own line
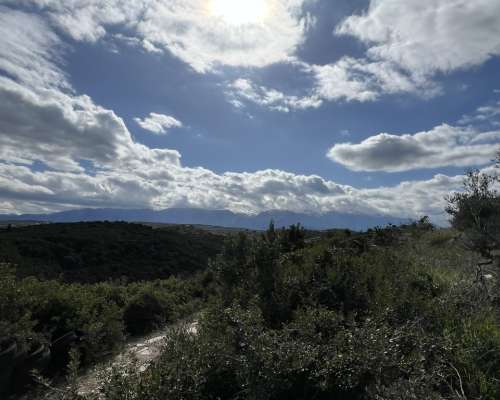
(371, 107)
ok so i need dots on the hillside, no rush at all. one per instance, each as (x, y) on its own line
(98, 251)
(389, 314)
(385, 314)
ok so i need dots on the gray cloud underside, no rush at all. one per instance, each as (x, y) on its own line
(442, 146)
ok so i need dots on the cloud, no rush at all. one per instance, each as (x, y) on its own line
(442, 146)
(30, 50)
(41, 117)
(158, 124)
(487, 114)
(62, 130)
(88, 20)
(239, 192)
(188, 29)
(414, 198)
(44, 120)
(348, 79)
(364, 80)
(408, 44)
(343, 80)
(242, 90)
(428, 36)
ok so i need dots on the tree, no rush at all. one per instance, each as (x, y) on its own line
(475, 211)
(231, 266)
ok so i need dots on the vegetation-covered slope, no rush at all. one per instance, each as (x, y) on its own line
(98, 251)
(394, 313)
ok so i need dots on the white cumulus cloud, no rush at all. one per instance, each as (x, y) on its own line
(441, 146)
(408, 44)
(158, 124)
(188, 29)
(428, 36)
(245, 90)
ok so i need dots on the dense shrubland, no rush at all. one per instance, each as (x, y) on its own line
(31, 307)
(89, 286)
(391, 314)
(94, 252)
(99, 317)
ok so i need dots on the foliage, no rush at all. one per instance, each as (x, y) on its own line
(144, 312)
(475, 211)
(333, 319)
(392, 313)
(99, 251)
(102, 315)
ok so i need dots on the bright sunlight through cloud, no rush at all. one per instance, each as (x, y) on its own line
(239, 12)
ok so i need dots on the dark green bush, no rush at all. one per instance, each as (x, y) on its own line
(143, 313)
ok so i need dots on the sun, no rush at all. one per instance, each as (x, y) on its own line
(239, 12)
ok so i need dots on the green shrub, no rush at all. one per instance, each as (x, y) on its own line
(98, 313)
(143, 313)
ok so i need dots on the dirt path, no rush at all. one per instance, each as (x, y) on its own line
(139, 352)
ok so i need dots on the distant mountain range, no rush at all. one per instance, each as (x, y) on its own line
(223, 218)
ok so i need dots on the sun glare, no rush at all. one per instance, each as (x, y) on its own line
(239, 12)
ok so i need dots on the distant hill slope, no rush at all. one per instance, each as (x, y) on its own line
(98, 251)
(215, 217)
